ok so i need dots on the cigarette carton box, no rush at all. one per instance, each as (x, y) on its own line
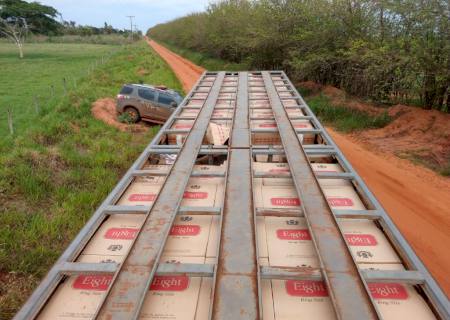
(301, 299)
(142, 191)
(191, 113)
(195, 103)
(172, 296)
(290, 102)
(289, 243)
(218, 134)
(330, 168)
(261, 237)
(273, 138)
(272, 168)
(259, 103)
(261, 113)
(77, 297)
(178, 138)
(294, 112)
(367, 242)
(398, 300)
(204, 301)
(188, 236)
(280, 197)
(214, 238)
(343, 198)
(200, 192)
(257, 193)
(115, 236)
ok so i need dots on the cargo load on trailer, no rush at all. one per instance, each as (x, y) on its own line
(242, 207)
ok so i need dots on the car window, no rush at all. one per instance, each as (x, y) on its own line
(146, 94)
(126, 90)
(165, 98)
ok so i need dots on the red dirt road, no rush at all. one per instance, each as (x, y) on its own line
(417, 199)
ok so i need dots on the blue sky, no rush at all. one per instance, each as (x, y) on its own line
(147, 12)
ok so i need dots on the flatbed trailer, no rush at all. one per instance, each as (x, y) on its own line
(241, 207)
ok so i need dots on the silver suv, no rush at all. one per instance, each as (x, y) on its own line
(152, 103)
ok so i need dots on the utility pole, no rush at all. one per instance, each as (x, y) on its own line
(131, 25)
(135, 29)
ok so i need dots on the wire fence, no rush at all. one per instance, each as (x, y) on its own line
(47, 100)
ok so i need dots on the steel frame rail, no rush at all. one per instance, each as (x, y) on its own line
(237, 250)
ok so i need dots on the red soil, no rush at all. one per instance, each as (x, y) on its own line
(105, 110)
(417, 199)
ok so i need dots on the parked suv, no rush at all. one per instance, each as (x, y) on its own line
(152, 103)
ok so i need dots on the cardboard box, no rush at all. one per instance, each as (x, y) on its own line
(142, 191)
(188, 236)
(272, 168)
(398, 300)
(280, 197)
(285, 94)
(172, 297)
(156, 168)
(202, 192)
(290, 102)
(225, 103)
(273, 138)
(289, 243)
(301, 299)
(343, 198)
(266, 294)
(294, 112)
(204, 301)
(367, 242)
(77, 297)
(213, 239)
(217, 134)
(93, 258)
(261, 238)
(259, 103)
(179, 138)
(330, 168)
(261, 113)
(115, 235)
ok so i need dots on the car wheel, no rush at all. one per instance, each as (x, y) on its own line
(133, 114)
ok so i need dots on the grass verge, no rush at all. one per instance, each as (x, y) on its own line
(343, 118)
(59, 169)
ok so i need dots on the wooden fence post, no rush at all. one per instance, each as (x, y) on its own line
(36, 104)
(10, 122)
(65, 86)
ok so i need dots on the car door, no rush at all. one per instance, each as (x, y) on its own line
(166, 104)
(148, 108)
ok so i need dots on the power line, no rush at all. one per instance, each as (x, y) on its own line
(131, 24)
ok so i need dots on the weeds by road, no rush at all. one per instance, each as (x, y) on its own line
(343, 118)
(58, 170)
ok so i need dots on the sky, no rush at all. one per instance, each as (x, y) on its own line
(147, 12)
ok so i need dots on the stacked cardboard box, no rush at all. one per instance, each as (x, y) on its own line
(273, 138)
(142, 191)
(217, 133)
(398, 300)
(113, 239)
(279, 196)
(367, 242)
(289, 243)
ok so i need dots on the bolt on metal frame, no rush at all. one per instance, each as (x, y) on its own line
(237, 265)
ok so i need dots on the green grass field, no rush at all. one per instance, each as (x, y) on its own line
(62, 163)
(44, 65)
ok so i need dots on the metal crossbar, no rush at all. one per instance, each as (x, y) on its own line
(237, 275)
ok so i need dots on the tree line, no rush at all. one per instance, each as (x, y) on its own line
(390, 51)
(19, 18)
